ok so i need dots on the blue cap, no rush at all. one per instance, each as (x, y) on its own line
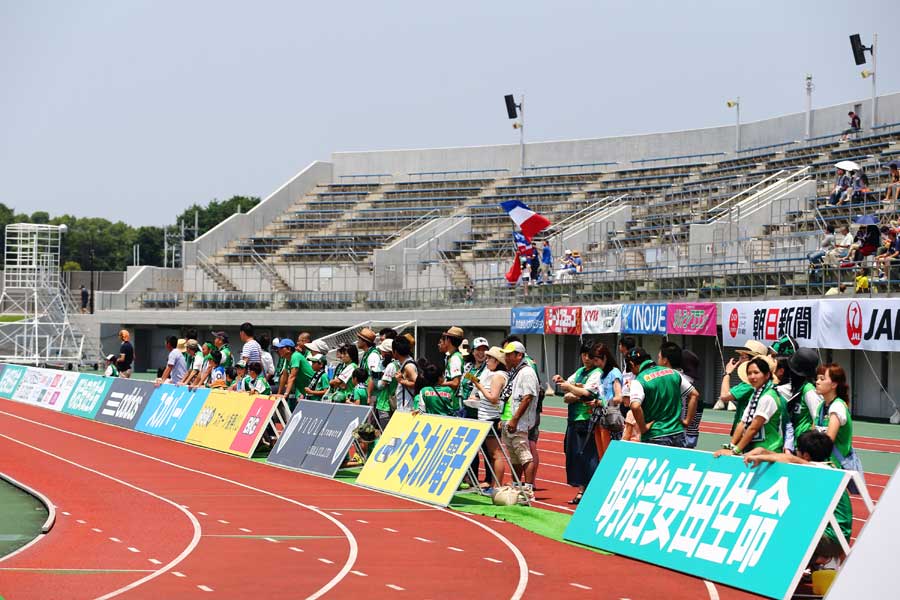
(286, 343)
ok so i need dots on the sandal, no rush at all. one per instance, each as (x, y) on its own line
(577, 498)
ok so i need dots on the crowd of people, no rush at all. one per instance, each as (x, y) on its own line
(872, 250)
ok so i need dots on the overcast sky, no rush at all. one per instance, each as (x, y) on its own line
(134, 110)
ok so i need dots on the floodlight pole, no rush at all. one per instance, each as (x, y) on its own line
(874, 76)
(809, 90)
(522, 131)
(737, 126)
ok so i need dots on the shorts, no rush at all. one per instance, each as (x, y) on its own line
(383, 417)
(534, 433)
(126, 373)
(517, 447)
(690, 440)
(676, 440)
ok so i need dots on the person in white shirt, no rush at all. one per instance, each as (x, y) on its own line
(522, 394)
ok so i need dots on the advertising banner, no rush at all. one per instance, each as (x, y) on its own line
(48, 388)
(601, 318)
(125, 402)
(644, 319)
(526, 319)
(562, 320)
(423, 457)
(691, 318)
(713, 518)
(9, 380)
(864, 324)
(318, 436)
(86, 396)
(769, 321)
(252, 427)
(171, 411)
(219, 419)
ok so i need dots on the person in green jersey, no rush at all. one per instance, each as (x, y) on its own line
(833, 418)
(318, 385)
(370, 360)
(348, 356)
(761, 424)
(386, 386)
(256, 382)
(296, 374)
(220, 340)
(448, 344)
(240, 377)
(579, 390)
(656, 400)
(476, 364)
(360, 394)
(814, 448)
(434, 396)
(740, 394)
(800, 397)
(111, 370)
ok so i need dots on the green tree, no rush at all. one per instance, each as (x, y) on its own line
(71, 265)
(215, 212)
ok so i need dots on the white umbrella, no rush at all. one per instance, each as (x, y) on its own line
(847, 165)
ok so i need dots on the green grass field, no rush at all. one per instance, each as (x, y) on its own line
(21, 517)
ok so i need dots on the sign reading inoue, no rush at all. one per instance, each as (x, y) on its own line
(644, 319)
(712, 518)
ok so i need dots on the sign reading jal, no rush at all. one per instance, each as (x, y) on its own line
(860, 324)
(769, 321)
(562, 320)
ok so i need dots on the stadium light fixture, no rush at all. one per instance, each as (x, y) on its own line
(512, 113)
(809, 90)
(859, 57)
(736, 104)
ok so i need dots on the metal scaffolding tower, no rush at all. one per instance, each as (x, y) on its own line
(35, 304)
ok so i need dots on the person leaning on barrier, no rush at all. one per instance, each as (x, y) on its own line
(111, 370)
(296, 373)
(762, 424)
(318, 384)
(175, 365)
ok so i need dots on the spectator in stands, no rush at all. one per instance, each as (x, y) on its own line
(607, 416)
(567, 266)
(841, 185)
(656, 400)
(861, 282)
(866, 242)
(448, 345)
(890, 256)
(546, 263)
(251, 350)
(521, 392)
(216, 371)
(84, 300)
(488, 386)
(832, 417)
(220, 341)
(175, 366)
(534, 262)
(842, 246)
(195, 357)
(580, 391)
(859, 184)
(577, 261)
(348, 356)
(386, 386)
(892, 193)
(304, 338)
(126, 355)
(370, 361)
(854, 124)
(814, 448)
(111, 370)
(296, 374)
(836, 290)
(761, 425)
(407, 373)
(827, 245)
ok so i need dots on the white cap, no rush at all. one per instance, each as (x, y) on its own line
(386, 346)
(514, 347)
(479, 342)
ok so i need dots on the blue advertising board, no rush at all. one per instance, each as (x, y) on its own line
(526, 319)
(715, 518)
(171, 411)
(644, 319)
(87, 395)
(125, 402)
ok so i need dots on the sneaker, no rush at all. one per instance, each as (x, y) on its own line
(732, 407)
(719, 405)
(526, 495)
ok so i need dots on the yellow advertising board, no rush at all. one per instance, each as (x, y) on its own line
(424, 457)
(223, 418)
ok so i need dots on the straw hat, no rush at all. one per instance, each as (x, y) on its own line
(181, 345)
(455, 332)
(367, 335)
(497, 353)
(773, 364)
(753, 348)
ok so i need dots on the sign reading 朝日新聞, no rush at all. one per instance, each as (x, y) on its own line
(423, 457)
(714, 518)
(770, 321)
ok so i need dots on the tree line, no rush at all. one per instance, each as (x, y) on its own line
(112, 242)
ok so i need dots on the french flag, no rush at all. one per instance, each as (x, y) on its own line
(523, 246)
(526, 219)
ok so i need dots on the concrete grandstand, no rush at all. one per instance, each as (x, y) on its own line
(402, 234)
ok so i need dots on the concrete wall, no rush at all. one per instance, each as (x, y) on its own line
(622, 149)
(142, 279)
(343, 276)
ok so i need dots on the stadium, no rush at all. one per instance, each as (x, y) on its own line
(695, 246)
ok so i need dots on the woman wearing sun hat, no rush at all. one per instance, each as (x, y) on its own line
(741, 393)
(487, 390)
(761, 424)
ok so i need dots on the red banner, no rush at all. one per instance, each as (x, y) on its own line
(562, 320)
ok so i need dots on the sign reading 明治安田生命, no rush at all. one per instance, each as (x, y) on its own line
(715, 518)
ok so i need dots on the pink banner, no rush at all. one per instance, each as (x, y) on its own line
(691, 318)
(254, 424)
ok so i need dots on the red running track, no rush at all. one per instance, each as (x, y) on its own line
(147, 517)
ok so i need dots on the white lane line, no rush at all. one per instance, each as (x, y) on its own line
(493, 560)
(295, 549)
(133, 549)
(205, 588)
(68, 514)
(80, 521)
(454, 548)
(154, 561)
(200, 512)
(395, 587)
(711, 588)
(115, 539)
(391, 530)
(359, 573)
(353, 550)
(178, 574)
(96, 529)
(579, 586)
(421, 539)
(223, 521)
(184, 506)
(326, 561)
(538, 573)
(337, 514)
(273, 540)
(244, 529)
(363, 521)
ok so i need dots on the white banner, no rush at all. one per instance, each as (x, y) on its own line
(45, 387)
(864, 324)
(601, 318)
(769, 321)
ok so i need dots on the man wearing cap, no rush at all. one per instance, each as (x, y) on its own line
(195, 364)
(740, 394)
(296, 374)
(370, 361)
(318, 385)
(126, 355)
(220, 340)
(111, 370)
(448, 344)
(386, 385)
(240, 377)
(476, 368)
(655, 396)
(175, 365)
(521, 392)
